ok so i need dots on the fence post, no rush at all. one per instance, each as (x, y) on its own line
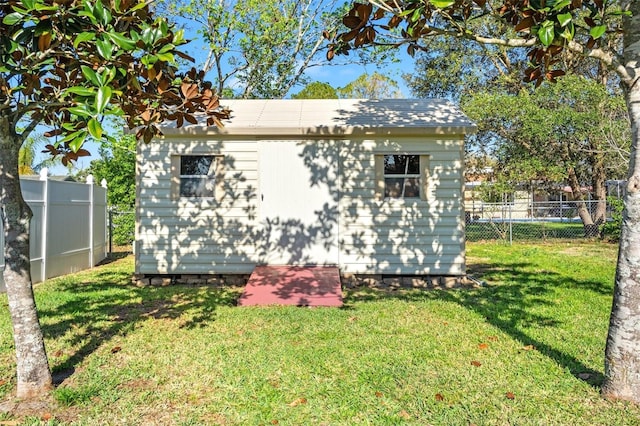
(110, 230)
(533, 197)
(103, 183)
(510, 226)
(91, 207)
(44, 177)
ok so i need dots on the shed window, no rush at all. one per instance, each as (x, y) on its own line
(402, 176)
(198, 175)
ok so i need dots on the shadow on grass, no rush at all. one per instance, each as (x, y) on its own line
(509, 307)
(113, 257)
(109, 305)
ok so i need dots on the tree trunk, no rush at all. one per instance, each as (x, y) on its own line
(33, 374)
(599, 177)
(622, 355)
(590, 228)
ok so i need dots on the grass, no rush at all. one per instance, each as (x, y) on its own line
(526, 350)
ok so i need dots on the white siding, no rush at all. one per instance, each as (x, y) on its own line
(395, 236)
(179, 235)
(226, 234)
(388, 236)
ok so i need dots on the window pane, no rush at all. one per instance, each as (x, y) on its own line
(411, 188)
(195, 165)
(395, 164)
(393, 187)
(414, 164)
(196, 187)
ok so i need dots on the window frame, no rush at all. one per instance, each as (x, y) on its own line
(422, 175)
(215, 174)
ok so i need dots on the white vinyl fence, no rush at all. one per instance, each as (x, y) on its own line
(68, 228)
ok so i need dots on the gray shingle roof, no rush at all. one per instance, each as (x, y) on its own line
(318, 117)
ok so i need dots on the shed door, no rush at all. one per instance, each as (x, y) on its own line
(298, 203)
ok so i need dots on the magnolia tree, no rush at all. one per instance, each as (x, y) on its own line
(67, 64)
(549, 29)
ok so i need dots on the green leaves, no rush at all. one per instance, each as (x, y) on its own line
(12, 18)
(564, 19)
(546, 33)
(598, 31)
(122, 41)
(83, 37)
(105, 49)
(95, 129)
(94, 52)
(442, 4)
(81, 91)
(80, 111)
(90, 75)
(96, 12)
(102, 98)
(561, 4)
(544, 26)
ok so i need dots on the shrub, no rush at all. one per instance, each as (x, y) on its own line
(123, 227)
(611, 228)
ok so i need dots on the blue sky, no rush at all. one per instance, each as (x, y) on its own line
(341, 75)
(335, 75)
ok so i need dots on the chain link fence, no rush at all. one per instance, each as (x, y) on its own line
(527, 221)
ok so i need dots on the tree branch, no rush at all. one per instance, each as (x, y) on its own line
(612, 61)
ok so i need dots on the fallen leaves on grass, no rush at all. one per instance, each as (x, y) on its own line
(529, 348)
(439, 397)
(476, 363)
(493, 338)
(58, 353)
(404, 415)
(297, 402)
(483, 346)
(510, 395)
(274, 383)
(116, 349)
(378, 394)
(3, 382)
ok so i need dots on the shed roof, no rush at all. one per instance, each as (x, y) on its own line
(327, 117)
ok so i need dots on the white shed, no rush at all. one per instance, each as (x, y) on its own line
(369, 186)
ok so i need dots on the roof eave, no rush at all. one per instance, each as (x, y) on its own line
(321, 131)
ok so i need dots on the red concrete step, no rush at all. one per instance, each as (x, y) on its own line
(293, 285)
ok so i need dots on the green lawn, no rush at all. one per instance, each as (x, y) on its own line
(525, 350)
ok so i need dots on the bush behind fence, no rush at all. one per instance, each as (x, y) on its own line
(121, 228)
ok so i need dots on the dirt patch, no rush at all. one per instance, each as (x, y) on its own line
(138, 384)
(573, 251)
(41, 408)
